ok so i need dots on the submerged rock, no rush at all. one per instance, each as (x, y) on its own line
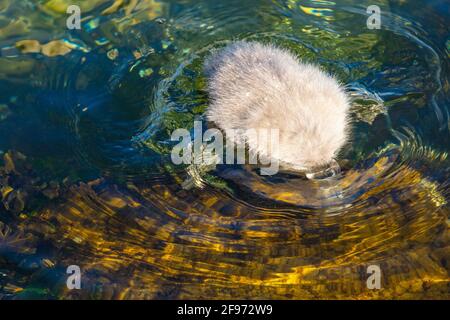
(55, 48)
(20, 187)
(28, 46)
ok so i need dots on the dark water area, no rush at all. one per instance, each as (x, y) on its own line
(86, 178)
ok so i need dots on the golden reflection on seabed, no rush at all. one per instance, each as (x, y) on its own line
(264, 238)
(155, 240)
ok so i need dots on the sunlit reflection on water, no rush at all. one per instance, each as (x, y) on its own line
(91, 113)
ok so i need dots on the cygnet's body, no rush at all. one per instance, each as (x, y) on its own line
(253, 86)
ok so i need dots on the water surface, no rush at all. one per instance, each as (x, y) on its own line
(86, 178)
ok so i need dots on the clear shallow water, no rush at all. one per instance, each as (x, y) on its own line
(93, 185)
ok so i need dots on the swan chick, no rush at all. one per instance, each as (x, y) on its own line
(260, 86)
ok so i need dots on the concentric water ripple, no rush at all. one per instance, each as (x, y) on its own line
(103, 115)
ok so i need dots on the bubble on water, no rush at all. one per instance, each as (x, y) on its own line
(113, 54)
